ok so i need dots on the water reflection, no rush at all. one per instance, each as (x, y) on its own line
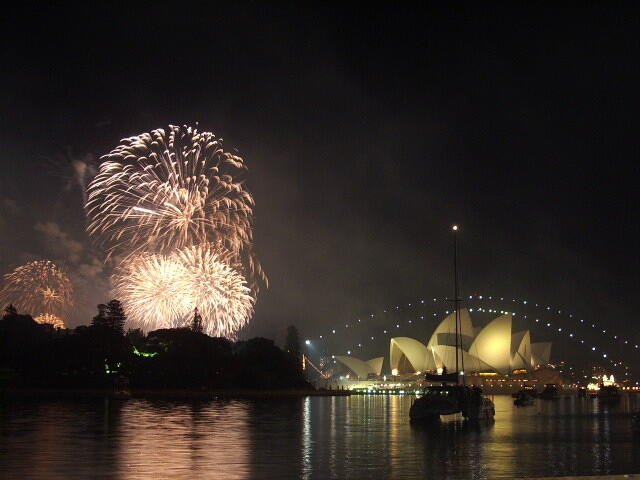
(56, 439)
(451, 449)
(175, 439)
(314, 437)
(307, 445)
(275, 430)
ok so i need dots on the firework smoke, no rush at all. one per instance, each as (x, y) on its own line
(38, 288)
(162, 290)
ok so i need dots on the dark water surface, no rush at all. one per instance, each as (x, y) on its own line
(313, 437)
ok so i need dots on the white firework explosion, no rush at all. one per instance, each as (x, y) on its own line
(163, 290)
(170, 189)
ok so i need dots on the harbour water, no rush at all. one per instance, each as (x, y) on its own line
(312, 437)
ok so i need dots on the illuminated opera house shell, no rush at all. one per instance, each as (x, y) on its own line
(361, 368)
(492, 348)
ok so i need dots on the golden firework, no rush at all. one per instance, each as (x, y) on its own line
(38, 288)
(163, 290)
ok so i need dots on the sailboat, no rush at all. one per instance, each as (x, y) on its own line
(452, 395)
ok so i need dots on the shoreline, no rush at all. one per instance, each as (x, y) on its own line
(230, 393)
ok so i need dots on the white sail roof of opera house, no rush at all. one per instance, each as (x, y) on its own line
(493, 344)
(445, 333)
(521, 350)
(492, 348)
(414, 351)
(540, 353)
(362, 368)
(445, 356)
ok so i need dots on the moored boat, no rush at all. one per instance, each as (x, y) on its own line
(635, 422)
(452, 399)
(480, 409)
(550, 392)
(436, 401)
(609, 393)
(524, 399)
(456, 398)
(528, 390)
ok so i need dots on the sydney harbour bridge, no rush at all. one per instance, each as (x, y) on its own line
(580, 344)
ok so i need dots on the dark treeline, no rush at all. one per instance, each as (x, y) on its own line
(103, 356)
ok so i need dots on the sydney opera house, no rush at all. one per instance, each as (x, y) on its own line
(490, 350)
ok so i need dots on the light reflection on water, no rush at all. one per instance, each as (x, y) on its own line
(163, 439)
(313, 437)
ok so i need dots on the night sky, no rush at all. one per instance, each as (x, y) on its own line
(367, 134)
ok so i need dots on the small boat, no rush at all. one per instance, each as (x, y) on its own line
(608, 393)
(524, 399)
(480, 409)
(528, 390)
(582, 392)
(436, 401)
(635, 422)
(451, 399)
(550, 392)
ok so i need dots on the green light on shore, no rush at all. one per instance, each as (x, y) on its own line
(144, 354)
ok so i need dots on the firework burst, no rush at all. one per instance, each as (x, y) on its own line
(169, 189)
(163, 290)
(38, 288)
(50, 319)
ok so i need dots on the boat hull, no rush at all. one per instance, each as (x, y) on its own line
(550, 392)
(484, 411)
(523, 401)
(635, 423)
(450, 400)
(425, 408)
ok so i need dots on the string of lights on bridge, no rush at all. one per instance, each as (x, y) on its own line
(552, 325)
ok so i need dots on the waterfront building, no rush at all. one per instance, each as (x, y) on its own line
(492, 349)
(362, 368)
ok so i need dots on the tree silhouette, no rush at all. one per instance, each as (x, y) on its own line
(292, 341)
(100, 320)
(116, 316)
(110, 316)
(135, 336)
(196, 323)
(10, 310)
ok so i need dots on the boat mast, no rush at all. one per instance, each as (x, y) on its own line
(456, 305)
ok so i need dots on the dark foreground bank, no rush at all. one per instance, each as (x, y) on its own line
(99, 357)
